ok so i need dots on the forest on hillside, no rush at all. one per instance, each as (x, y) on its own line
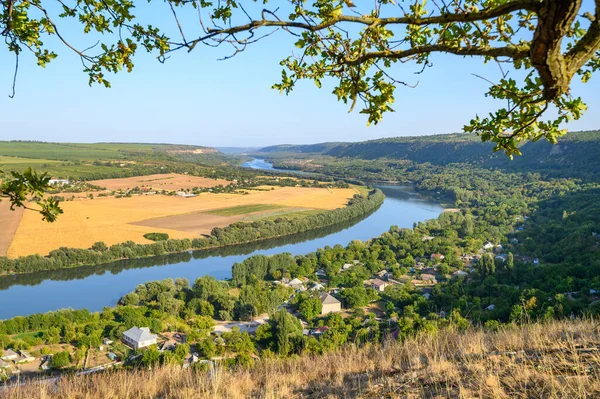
(577, 154)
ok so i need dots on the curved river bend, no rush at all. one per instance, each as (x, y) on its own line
(95, 287)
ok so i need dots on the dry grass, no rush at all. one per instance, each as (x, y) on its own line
(556, 360)
(9, 221)
(168, 181)
(111, 220)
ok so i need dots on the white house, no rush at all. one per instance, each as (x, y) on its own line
(460, 273)
(139, 337)
(317, 287)
(58, 182)
(296, 284)
(25, 357)
(488, 245)
(9, 354)
(184, 194)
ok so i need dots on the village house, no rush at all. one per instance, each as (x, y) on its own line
(191, 359)
(383, 274)
(296, 284)
(9, 354)
(169, 345)
(139, 337)
(185, 194)
(488, 245)
(376, 284)
(58, 182)
(320, 330)
(430, 270)
(347, 266)
(427, 238)
(24, 357)
(501, 257)
(428, 277)
(330, 304)
(460, 273)
(317, 287)
(437, 257)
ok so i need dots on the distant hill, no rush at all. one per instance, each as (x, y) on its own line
(320, 148)
(579, 151)
(237, 150)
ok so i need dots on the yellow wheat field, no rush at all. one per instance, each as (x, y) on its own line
(85, 222)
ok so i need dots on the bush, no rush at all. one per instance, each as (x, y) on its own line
(60, 360)
(156, 236)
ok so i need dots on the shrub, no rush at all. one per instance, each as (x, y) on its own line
(60, 360)
(156, 236)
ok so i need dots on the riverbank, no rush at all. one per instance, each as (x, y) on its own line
(234, 234)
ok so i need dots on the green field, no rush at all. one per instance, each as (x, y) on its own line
(82, 151)
(99, 160)
(28, 334)
(14, 163)
(243, 209)
(288, 213)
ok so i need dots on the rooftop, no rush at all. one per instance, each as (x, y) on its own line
(139, 334)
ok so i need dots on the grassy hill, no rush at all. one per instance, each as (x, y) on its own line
(559, 359)
(577, 151)
(93, 160)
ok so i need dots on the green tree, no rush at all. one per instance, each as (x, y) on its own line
(60, 360)
(285, 328)
(18, 188)
(151, 357)
(310, 308)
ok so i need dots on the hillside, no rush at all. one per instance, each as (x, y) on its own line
(552, 360)
(89, 161)
(577, 151)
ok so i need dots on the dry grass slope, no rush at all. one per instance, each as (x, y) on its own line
(554, 360)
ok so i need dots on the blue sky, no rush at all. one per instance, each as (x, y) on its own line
(196, 99)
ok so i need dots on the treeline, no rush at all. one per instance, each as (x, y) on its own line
(261, 229)
(237, 233)
(575, 155)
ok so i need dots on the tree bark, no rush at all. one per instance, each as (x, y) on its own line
(554, 20)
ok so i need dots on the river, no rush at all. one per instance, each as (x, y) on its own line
(94, 287)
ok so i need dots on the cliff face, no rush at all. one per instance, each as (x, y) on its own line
(552, 360)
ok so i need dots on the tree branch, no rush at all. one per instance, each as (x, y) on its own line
(515, 52)
(527, 5)
(586, 47)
